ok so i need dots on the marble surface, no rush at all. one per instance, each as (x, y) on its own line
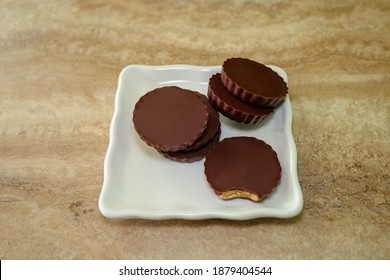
(59, 64)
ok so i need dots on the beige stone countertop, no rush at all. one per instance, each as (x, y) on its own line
(59, 68)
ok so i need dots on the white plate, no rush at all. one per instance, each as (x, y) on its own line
(140, 183)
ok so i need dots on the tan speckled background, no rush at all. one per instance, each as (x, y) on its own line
(59, 64)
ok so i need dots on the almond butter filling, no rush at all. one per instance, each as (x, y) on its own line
(239, 194)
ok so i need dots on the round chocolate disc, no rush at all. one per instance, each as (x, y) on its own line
(243, 167)
(170, 118)
(253, 82)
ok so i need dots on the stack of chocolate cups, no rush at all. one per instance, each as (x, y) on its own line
(180, 124)
(246, 91)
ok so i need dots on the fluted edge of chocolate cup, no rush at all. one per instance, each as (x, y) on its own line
(205, 149)
(232, 113)
(213, 120)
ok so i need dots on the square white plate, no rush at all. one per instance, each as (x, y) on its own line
(140, 183)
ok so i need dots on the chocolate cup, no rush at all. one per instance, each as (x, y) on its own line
(253, 82)
(170, 118)
(242, 167)
(232, 107)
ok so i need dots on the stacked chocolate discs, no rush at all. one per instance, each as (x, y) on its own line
(180, 124)
(246, 91)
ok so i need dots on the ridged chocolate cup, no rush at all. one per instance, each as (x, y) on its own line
(253, 82)
(193, 155)
(242, 167)
(233, 108)
(170, 118)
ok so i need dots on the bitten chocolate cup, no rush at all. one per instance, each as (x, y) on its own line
(253, 82)
(170, 118)
(232, 107)
(242, 167)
